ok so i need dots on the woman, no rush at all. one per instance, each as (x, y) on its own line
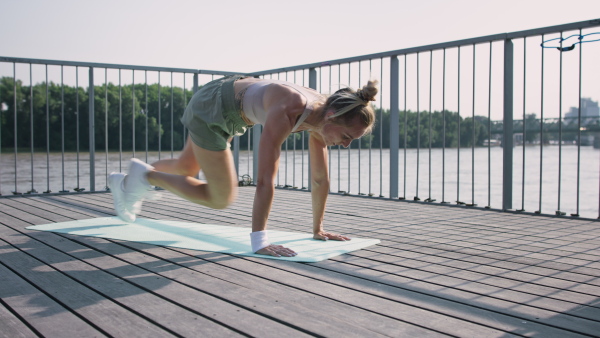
(228, 106)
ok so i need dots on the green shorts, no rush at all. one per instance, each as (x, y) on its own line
(213, 115)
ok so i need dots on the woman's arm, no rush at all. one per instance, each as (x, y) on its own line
(320, 187)
(282, 105)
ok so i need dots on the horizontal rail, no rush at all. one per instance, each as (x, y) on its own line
(439, 46)
(113, 66)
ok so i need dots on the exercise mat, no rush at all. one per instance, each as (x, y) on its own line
(205, 237)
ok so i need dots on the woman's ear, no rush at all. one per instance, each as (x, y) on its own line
(329, 114)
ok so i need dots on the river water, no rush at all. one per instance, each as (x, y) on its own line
(366, 171)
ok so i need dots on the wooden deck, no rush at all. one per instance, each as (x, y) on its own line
(439, 271)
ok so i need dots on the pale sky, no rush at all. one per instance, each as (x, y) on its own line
(253, 35)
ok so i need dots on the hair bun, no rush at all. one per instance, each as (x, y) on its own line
(369, 91)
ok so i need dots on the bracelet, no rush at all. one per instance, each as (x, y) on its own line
(259, 240)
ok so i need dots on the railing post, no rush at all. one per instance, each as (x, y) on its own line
(256, 132)
(312, 78)
(91, 124)
(394, 126)
(312, 83)
(507, 140)
(236, 153)
(195, 90)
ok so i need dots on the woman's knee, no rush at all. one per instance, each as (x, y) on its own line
(222, 200)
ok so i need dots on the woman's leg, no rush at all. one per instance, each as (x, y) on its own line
(185, 164)
(220, 188)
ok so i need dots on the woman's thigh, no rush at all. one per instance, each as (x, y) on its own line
(219, 170)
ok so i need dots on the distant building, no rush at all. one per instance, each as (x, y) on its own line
(590, 112)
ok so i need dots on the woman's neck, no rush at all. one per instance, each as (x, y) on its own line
(316, 119)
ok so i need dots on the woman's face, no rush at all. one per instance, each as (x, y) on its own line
(335, 134)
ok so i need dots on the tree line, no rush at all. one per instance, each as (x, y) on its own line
(152, 113)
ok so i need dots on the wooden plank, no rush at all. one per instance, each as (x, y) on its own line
(206, 305)
(281, 311)
(422, 294)
(466, 271)
(477, 257)
(135, 304)
(98, 311)
(418, 316)
(12, 327)
(488, 269)
(40, 311)
(322, 307)
(235, 291)
(475, 294)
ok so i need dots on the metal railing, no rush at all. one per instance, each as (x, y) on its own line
(441, 110)
(146, 109)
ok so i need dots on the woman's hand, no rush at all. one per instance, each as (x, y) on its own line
(277, 251)
(324, 236)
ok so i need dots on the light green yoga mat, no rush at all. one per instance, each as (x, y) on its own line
(205, 237)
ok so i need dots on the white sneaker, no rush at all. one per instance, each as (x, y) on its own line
(115, 183)
(136, 185)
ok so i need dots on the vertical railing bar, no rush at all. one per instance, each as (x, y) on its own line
(524, 119)
(312, 82)
(1, 147)
(236, 140)
(255, 150)
(338, 147)
(172, 119)
(394, 128)
(508, 118)
(183, 131)
(429, 199)
(62, 126)
(473, 131)
(303, 133)
(541, 130)
(120, 124)
(236, 154)
(381, 129)
(92, 128)
(31, 124)
(159, 118)
(146, 110)
(278, 167)
(16, 192)
(359, 143)
(47, 135)
(294, 151)
(371, 142)
(458, 137)
(286, 151)
(349, 172)
(78, 189)
(106, 126)
(579, 132)
(560, 119)
(133, 113)
(490, 129)
(444, 128)
(405, 125)
(248, 152)
(329, 147)
(416, 198)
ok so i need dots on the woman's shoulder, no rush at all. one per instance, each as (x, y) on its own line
(284, 93)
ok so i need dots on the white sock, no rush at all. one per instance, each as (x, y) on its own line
(259, 240)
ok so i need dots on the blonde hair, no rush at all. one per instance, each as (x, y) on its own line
(348, 104)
